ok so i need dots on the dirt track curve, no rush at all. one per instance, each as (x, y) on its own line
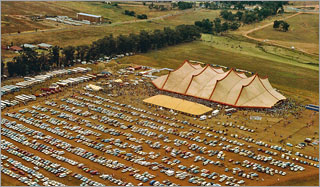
(274, 42)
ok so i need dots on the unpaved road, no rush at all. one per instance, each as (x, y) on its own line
(274, 42)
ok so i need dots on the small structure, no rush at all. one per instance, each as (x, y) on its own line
(15, 48)
(94, 87)
(118, 81)
(179, 105)
(29, 46)
(89, 17)
(137, 67)
(44, 46)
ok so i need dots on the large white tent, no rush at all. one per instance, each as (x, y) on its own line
(230, 88)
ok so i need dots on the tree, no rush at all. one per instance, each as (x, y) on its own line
(224, 27)
(276, 24)
(158, 39)
(205, 25)
(142, 16)
(129, 13)
(234, 26)
(281, 25)
(133, 42)
(188, 33)
(2, 65)
(184, 5)
(122, 44)
(144, 43)
(43, 62)
(69, 55)
(169, 35)
(217, 25)
(238, 15)
(54, 54)
(285, 26)
(11, 68)
(28, 62)
(81, 51)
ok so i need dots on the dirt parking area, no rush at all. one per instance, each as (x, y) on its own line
(110, 137)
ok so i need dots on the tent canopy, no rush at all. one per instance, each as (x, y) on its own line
(179, 105)
(230, 88)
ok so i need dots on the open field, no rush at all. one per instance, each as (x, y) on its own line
(242, 46)
(190, 18)
(11, 24)
(134, 95)
(87, 34)
(296, 36)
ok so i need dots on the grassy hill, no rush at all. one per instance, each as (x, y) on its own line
(303, 33)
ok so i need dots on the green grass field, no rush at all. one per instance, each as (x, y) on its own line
(303, 33)
(190, 18)
(67, 8)
(268, 52)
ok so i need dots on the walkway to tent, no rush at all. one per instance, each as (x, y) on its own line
(179, 105)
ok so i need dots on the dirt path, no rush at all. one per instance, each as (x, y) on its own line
(273, 42)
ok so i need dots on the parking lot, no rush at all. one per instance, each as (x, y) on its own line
(111, 138)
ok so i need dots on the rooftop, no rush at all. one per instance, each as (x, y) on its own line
(178, 104)
(91, 15)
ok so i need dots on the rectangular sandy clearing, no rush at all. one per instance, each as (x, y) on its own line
(179, 105)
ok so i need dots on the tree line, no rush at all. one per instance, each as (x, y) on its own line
(257, 14)
(30, 62)
(216, 26)
(239, 5)
(132, 13)
(183, 5)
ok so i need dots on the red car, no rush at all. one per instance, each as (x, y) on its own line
(14, 169)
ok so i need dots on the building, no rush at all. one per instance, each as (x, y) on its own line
(29, 46)
(213, 84)
(15, 48)
(179, 105)
(44, 46)
(89, 17)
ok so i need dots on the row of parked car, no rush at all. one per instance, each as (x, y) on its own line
(26, 176)
(233, 142)
(191, 135)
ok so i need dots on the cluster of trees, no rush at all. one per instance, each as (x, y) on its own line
(30, 62)
(129, 13)
(258, 14)
(132, 13)
(142, 16)
(228, 15)
(183, 5)
(281, 25)
(215, 26)
(157, 7)
(239, 5)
